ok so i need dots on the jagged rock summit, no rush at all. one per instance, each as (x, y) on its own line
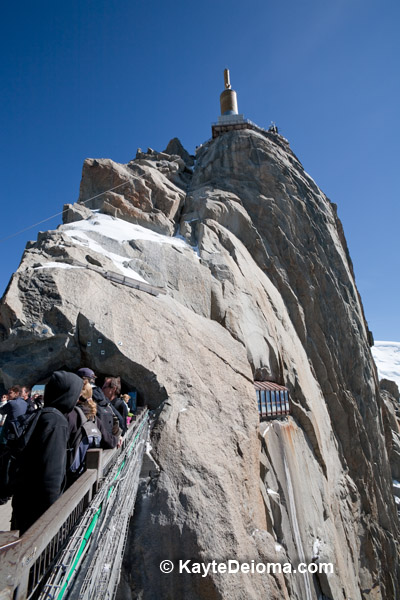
(245, 275)
(148, 191)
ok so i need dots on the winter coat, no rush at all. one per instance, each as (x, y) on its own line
(42, 464)
(108, 418)
(121, 406)
(102, 400)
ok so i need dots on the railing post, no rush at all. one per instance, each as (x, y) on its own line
(10, 552)
(94, 460)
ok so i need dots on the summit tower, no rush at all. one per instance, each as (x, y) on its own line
(228, 98)
(230, 117)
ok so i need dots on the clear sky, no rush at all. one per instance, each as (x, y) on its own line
(99, 79)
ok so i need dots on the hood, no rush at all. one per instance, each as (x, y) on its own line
(63, 391)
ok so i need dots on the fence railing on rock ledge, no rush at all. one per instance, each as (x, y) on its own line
(75, 549)
(272, 399)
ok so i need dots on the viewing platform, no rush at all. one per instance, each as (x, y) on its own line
(75, 548)
(234, 122)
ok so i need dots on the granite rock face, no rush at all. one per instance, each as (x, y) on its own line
(391, 387)
(258, 284)
(142, 192)
(391, 416)
(175, 147)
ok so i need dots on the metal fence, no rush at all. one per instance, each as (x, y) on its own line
(272, 399)
(84, 531)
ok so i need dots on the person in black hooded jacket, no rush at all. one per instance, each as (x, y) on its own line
(107, 414)
(42, 465)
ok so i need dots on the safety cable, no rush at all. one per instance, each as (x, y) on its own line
(8, 237)
(100, 512)
(81, 548)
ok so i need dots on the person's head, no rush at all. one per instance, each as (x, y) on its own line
(62, 391)
(87, 392)
(126, 398)
(87, 375)
(112, 387)
(26, 392)
(4, 398)
(87, 403)
(14, 392)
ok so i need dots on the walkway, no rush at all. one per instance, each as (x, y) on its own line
(76, 547)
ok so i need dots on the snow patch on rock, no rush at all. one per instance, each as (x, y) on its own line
(387, 359)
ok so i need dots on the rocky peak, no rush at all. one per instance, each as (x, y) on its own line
(391, 387)
(258, 284)
(148, 190)
(175, 147)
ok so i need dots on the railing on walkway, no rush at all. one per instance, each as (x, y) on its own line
(75, 549)
(122, 279)
(272, 399)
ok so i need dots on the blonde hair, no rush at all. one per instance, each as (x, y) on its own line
(88, 405)
(86, 392)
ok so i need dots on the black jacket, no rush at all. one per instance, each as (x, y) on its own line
(107, 414)
(121, 406)
(42, 464)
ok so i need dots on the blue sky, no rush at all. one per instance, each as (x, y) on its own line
(100, 79)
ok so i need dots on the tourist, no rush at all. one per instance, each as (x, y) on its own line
(42, 465)
(84, 433)
(105, 412)
(26, 395)
(111, 390)
(14, 408)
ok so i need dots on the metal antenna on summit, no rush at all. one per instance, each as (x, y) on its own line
(228, 98)
(227, 79)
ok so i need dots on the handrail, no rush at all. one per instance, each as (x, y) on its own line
(143, 286)
(45, 531)
(89, 566)
(25, 560)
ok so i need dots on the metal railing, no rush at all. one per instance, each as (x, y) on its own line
(76, 535)
(273, 403)
(117, 277)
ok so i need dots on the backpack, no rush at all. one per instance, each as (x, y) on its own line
(87, 436)
(19, 433)
(20, 430)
